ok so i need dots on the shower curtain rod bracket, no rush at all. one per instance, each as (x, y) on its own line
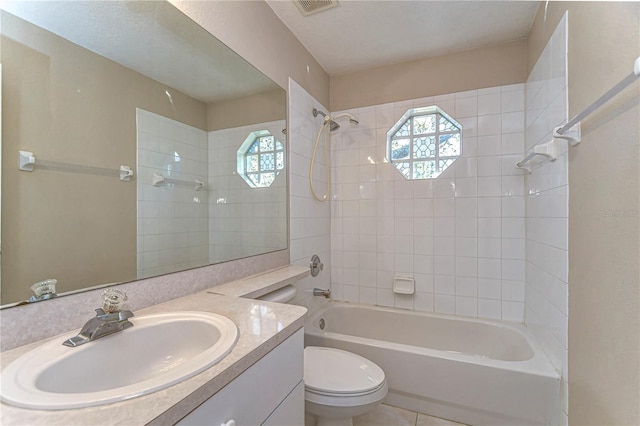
(26, 161)
(572, 135)
(125, 173)
(549, 151)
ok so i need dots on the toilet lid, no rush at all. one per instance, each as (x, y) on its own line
(330, 370)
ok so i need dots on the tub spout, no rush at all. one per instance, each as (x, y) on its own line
(320, 292)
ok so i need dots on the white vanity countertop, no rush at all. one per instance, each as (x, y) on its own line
(260, 284)
(262, 326)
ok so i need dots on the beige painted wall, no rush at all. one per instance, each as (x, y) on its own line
(253, 30)
(258, 108)
(472, 69)
(63, 102)
(604, 201)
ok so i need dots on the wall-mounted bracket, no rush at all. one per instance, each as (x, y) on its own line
(572, 135)
(26, 161)
(158, 180)
(547, 150)
(125, 173)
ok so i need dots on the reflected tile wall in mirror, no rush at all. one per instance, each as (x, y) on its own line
(71, 95)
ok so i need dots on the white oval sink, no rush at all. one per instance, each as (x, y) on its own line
(158, 351)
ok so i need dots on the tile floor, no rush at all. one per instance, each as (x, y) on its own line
(386, 415)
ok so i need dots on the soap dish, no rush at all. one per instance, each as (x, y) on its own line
(403, 285)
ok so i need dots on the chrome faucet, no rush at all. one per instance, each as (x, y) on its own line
(320, 292)
(108, 320)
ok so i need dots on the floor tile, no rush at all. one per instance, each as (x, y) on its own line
(309, 420)
(386, 415)
(425, 420)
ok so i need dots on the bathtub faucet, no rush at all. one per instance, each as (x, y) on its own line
(320, 292)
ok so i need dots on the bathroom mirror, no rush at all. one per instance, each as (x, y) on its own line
(91, 87)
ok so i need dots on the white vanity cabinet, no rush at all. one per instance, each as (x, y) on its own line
(270, 392)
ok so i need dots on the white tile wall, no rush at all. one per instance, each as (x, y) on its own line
(547, 208)
(310, 220)
(180, 228)
(461, 236)
(243, 221)
(172, 219)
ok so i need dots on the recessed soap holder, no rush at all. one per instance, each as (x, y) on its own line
(404, 285)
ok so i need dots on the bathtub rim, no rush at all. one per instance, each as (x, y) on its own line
(538, 364)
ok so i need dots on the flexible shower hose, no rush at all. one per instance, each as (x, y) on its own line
(325, 125)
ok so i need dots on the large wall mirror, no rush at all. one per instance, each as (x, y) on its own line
(90, 88)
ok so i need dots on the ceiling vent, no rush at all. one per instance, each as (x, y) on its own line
(309, 7)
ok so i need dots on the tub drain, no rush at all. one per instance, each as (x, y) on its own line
(321, 323)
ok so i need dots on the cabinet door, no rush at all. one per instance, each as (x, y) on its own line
(291, 411)
(252, 396)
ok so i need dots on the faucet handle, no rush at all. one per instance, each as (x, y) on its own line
(112, 300)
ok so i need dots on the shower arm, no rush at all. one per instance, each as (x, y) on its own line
(317, 111)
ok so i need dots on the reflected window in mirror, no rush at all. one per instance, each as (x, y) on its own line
(260, 159)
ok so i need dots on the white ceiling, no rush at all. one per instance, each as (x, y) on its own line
(364, 34)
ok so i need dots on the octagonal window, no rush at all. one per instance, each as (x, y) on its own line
(260, 159)
(424, 142)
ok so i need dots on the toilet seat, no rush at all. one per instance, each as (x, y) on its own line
(343, 395)
(333, 372)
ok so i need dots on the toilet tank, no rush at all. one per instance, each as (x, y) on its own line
(282, 295)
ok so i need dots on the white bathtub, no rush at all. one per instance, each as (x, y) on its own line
(478, 372)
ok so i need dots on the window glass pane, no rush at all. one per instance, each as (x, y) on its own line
(255, 178)
(404, 169)
(450, 145)
(446, 125)
(446, 163)
(424, 124)
(404, 130)
(253, 148)
(280, 160)
(267, 161)
(424, 147)
(279, 146)
(266, 143)
(267, 179)
(424, 169)
(399, 149)
(252, 163)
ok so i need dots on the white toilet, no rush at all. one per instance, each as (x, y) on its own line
(338, 385)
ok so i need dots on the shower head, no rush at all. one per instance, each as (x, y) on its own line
(333, 125)
(351, 118)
